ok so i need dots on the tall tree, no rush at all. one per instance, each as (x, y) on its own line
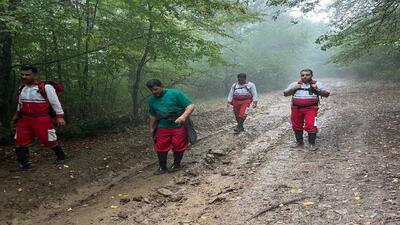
(6, 31)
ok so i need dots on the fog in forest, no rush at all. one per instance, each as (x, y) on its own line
(104, 51)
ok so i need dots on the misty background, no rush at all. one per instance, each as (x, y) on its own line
(105, 51)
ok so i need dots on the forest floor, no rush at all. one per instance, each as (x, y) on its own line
(250, 178)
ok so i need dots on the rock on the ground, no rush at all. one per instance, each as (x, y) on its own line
(165, 192)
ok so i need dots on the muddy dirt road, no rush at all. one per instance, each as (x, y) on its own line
(251, 178)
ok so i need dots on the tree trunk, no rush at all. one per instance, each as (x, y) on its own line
(138, 75)
(57, 53)
(5, 71)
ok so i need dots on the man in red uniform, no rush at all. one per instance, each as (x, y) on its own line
(241, 95)
(169, 108)
(305, 98)
(32, 118)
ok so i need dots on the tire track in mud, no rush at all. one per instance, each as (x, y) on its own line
(342, 183)
(197, 160)
(228, 178)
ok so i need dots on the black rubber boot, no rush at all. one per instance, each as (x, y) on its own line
(240, 127)
(22, 157)
(311, 138)
(177, 161)
(311, 141)
(162, 162)
(236, 129)
(241, 122)
(299, 139)
(59, 153)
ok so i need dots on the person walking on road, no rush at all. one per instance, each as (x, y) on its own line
(169, 109)
(305, 99)
(240, 96)
(36, 100)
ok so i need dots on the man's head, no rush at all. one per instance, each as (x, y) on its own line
(28, 74)
(306, 75)
(156, 87)
(241, 78)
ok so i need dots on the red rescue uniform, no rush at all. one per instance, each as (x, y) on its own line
(36, 120)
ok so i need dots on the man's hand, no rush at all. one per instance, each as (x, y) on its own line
(229, 104)
(13, 123)
(180, 120)
(254, 105)
(60, 122)
(296, 87)
(314, 88)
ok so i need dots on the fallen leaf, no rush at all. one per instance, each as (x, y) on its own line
(308, 203)
(357, 197)
(295, 191)
(114, 206)
(123, 195)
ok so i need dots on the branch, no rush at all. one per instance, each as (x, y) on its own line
(76, 55)
(259, 213)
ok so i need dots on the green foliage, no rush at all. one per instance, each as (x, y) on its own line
(103, 50)
(372, 26)
(271, 53)
(366, 31)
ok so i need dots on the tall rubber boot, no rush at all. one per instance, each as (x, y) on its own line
(59, 153)
(162, 162)
(240, 124)
(311, 141)
(236, 129)
(299, 139)
(22, 157)
(177, 161)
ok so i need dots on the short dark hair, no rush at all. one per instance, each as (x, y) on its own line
(29, 67)
(154, 83)
(242, 75)
(306, 70)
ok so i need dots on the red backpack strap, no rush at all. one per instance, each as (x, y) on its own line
(42, 89)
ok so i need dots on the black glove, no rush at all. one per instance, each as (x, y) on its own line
(313, 90)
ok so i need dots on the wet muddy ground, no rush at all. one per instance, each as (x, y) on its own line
(250, 178)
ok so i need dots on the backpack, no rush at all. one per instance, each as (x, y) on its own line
(245, 86)
(58, 86)
(191, 132)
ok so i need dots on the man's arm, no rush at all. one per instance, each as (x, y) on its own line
(55, 104)
(320, 91)
(291, 90)
(230, 96)
(323, 93)
(17, 114)
(152, 123)
(188, 110)
(15, 119)
(253, 91)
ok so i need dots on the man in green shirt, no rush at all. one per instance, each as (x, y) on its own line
(169, 108)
